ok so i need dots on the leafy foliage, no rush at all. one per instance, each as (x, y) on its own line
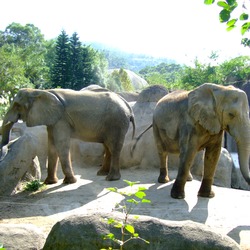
(119, 80)
(34, 185)
(225, 16)
(235, 71)
(133, 198)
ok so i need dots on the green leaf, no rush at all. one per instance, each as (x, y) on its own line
(142, 188)
(146, 201)
(118, 225)
(231, 2)
(136, 235)
(224, 16)
(113, 189)
(243, 16)
(231, 27)
(130, 228)
(245, 27)
(111, 221)
(133, 201)
(131, 183)
(223, 5)
(208, 2)
(109, 236)
(140, 194)
(231, 22)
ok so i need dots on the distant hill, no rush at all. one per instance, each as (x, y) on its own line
(134, 62)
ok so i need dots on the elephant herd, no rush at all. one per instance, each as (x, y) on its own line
(184, 122)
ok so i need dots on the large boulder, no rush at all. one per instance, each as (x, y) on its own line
(25, 156)
(21, 236)
(87, 231)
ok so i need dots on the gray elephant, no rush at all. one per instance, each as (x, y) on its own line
(91, 115)
(185, 122)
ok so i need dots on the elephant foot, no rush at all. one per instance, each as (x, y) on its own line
(177, 191)
(69, 180)
(113, 176)
(210, 194)
(103, 172)
(206, 189)
(49, 181)
(163, 177)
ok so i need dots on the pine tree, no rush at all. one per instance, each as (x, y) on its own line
(76, 71)
(61, 68)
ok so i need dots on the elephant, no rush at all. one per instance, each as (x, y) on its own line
(97, 115)
(185, 122)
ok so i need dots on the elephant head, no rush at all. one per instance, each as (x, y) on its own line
(35, 107)
(226, 108)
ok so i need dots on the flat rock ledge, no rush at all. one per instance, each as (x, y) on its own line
(86, 231)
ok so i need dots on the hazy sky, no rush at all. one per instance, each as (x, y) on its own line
(178, 29)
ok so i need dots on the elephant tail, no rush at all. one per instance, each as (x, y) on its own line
(132, 120)
(138, 138)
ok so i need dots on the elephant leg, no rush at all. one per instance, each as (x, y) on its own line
(52, 160)
(115, 150)
(212, 155)
(104, 170)
(186, 160)
(163, 156)
(62, 144)
(163, 177)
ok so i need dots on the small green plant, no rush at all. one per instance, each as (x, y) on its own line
(133, 198)
(34, 185)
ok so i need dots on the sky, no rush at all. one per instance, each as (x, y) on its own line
(177, 29)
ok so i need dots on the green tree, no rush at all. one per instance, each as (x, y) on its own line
(61, 67)
(76, 71)
(119, 80)
(12, 75)
(235, 71)
(199, 74)
(31, 47)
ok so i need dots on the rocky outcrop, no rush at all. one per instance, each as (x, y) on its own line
(86, 232)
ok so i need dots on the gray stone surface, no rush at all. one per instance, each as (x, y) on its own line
(21, 236)
(85, 232)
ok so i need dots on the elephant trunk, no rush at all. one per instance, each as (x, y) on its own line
(8, 122)
(243, 152)
(243, 146)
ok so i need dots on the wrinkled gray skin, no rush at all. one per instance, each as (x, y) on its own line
(90, 115)
(187, 122)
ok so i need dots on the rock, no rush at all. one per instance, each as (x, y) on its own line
(86, 231)
(21, 236)
(152, 94)
(26, 155)
(129, 96)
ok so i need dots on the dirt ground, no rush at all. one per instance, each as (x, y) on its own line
(227, 213)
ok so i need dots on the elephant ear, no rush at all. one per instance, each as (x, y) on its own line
(202, 107)
(44, 108)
